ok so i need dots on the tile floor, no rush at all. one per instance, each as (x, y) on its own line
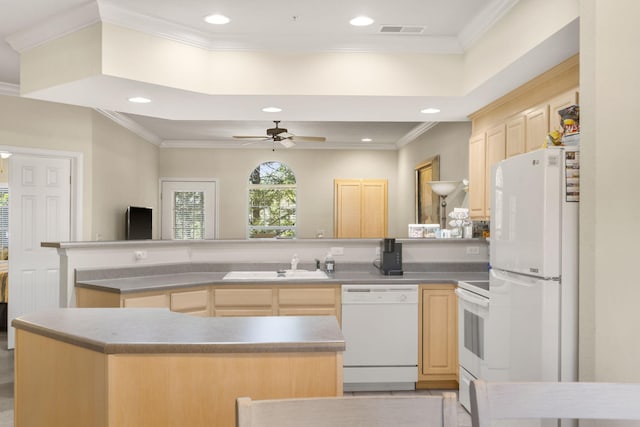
(6, 389)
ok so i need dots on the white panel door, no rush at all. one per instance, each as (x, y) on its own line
(188, 209)
(39, 211)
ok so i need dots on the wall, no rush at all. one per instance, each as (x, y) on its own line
(609, 291)
(315, 171)
(119, 167)
(448, 140)
(125, 173)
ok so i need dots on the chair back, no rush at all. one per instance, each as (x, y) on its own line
(370, 411)
(562, 400)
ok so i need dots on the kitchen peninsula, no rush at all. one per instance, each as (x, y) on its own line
(135, 367)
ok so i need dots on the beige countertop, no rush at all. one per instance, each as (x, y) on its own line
(158, 330)
(157, 282)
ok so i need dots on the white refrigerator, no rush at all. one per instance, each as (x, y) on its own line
(533, 290)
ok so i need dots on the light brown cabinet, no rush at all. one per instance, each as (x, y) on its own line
(146, 301)
(477, 176)
(195, 302)
(495, 152)
(360, 208)
(515, 136)
(244, 302)
(438, 336)
(537, 127)
(309, 301)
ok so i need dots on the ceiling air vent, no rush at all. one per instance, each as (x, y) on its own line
(400, 29)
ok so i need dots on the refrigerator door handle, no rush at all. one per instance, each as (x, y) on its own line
(512, 279)
(472, 299)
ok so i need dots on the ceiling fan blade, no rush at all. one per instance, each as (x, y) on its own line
(287, 143)
(250, 137)
(309, 138)
(256, 140)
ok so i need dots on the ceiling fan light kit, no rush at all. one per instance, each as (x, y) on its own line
(282, 135)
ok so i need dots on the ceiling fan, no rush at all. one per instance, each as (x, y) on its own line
(282, 135)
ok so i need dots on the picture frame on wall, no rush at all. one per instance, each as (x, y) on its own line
(427, 203)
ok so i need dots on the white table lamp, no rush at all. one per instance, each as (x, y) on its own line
(443, 189)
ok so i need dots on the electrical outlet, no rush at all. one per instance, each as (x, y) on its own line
(338, 250)
(140, 255)
(473, 250)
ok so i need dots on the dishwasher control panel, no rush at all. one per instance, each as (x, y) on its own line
(379, 294)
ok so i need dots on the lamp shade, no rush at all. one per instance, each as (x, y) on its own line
(443, 188)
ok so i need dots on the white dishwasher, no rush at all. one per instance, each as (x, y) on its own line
(380, 327)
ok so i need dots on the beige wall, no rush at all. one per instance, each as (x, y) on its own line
(609, 208)
(314, 169)
(119, 167)
(448, 140)
(125, 173)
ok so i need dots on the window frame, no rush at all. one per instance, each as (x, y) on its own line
(250, 187)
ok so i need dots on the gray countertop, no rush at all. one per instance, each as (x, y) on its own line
(157, 330)
(146, 283)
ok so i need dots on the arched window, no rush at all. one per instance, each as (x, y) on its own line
(272, 201)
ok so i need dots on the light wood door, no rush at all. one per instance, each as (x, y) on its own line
(360, 209)
(244, 302)
(477, 176)
(374, 209)
(537, 127)
(194, 302)
(561, 101)
(438, 350)
(515, 136)
(495, 152)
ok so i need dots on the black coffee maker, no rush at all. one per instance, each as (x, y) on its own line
(390, 257)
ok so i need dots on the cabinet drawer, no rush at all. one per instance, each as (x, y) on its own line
(146, 301)
(188, 301)
(243, 297)
(308, 311)
(308, 297)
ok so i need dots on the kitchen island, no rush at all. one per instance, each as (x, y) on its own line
(108, 367)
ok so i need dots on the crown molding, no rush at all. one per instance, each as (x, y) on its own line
(414, 133)
(268, 145)
(129, 124)
(55, 27)
(482, 22)
(9, 89)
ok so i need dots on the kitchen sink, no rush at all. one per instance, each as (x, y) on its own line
(275, 275)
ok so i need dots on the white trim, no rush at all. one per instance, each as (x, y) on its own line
(9, 89)
(55, 27)
(483, 21)
(77, 181)
(129, 124)
(414, 133)
(216, 208)
(268, 145)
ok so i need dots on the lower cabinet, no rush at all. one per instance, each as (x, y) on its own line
(438, 337)
(236, 300)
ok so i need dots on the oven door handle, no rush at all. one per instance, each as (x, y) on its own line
(471, 298)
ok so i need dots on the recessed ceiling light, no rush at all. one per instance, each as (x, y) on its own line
(271, 109)
(361, 21)
(139, 100)
(366, 140)
(430, 110)
(217, 19)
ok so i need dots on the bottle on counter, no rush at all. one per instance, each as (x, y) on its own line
(329, 263)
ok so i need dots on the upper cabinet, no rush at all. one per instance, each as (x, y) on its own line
(517, 123)
(360, 208)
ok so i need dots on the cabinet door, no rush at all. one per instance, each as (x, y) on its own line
(537, 127)
(515, 137)
(147, 301)
(558, 103)
(308, 301)
(374, 209)
(477, 176)
(495, 152)
(360, 209)
(244, 302)
(194, 302)
(348, 210)
(438, 351)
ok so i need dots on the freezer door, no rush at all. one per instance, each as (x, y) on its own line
(525, 213)
(524, 328)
